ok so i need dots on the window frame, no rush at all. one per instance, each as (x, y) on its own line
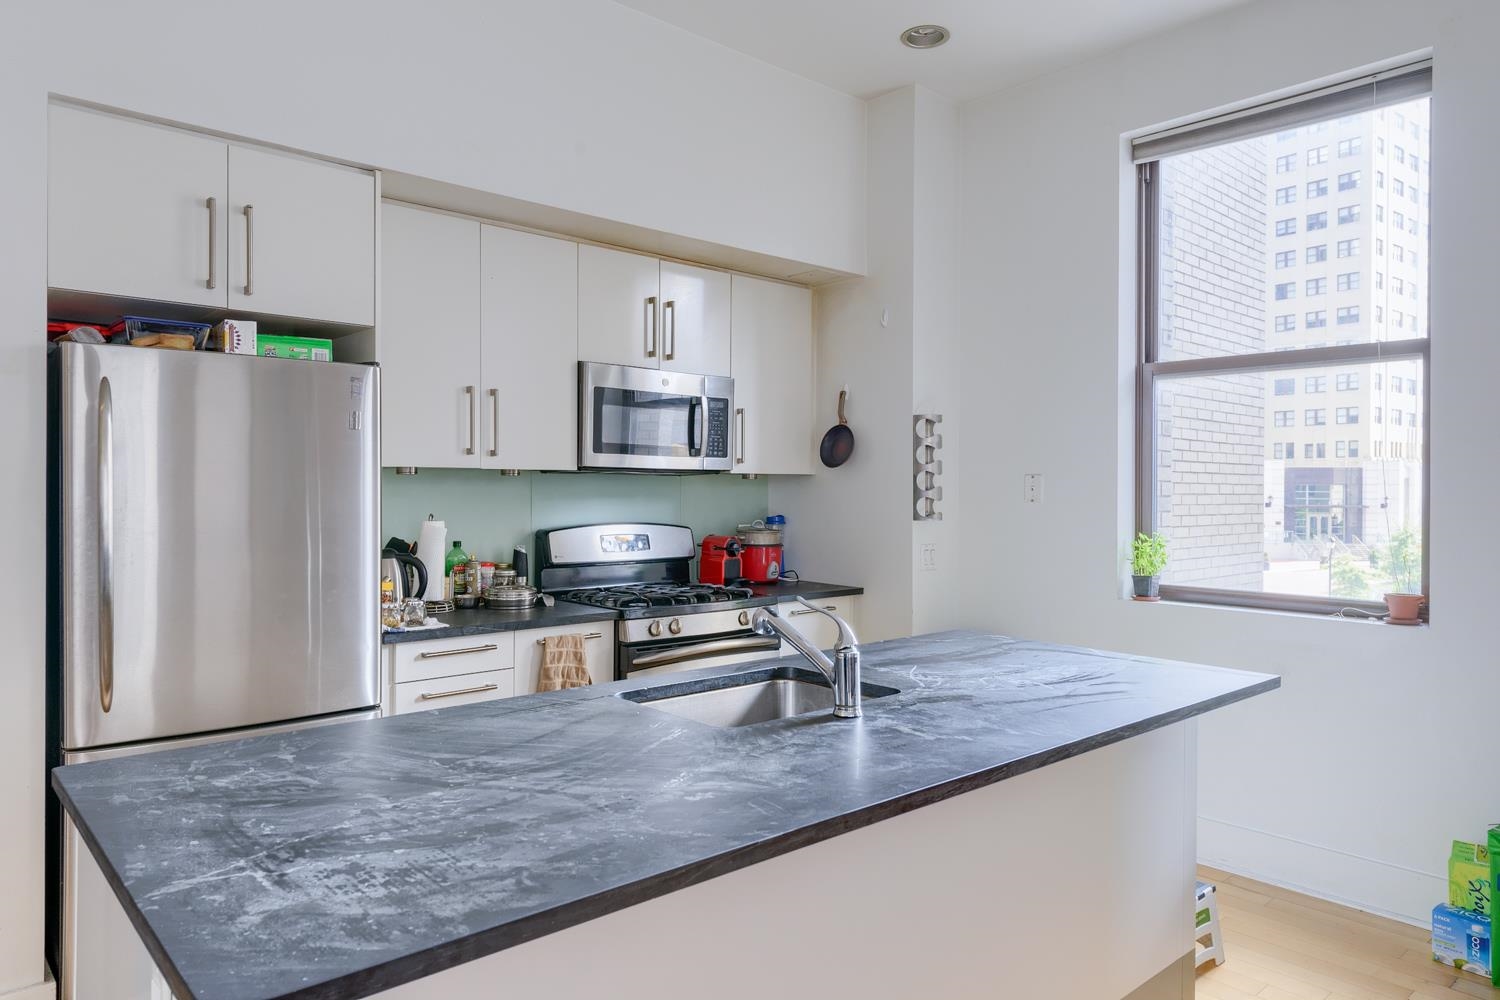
(1150, 369)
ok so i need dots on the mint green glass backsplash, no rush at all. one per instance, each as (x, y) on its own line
(492, 514)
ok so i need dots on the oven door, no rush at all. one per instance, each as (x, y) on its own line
(690, 654)
(648, 420)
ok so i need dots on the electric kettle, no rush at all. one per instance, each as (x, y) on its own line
(399, 566)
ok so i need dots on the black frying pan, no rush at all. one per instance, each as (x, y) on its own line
(838, 443)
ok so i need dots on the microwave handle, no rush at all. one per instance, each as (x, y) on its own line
(696, 410)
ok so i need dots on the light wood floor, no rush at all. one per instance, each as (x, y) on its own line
(1281, 945)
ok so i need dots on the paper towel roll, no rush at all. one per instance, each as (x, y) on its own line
(432, 545)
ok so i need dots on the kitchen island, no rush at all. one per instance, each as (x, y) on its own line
(579, 843)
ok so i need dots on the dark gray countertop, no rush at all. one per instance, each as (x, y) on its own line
(481, 620)
(339, 861)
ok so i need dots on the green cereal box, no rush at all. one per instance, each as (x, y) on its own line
(270, 345)
(1469, 883)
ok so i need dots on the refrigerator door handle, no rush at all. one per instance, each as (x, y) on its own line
(106, 495)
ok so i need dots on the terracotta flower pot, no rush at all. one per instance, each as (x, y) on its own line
(1404, 607)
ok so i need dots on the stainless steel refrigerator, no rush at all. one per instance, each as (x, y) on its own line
(213, 574)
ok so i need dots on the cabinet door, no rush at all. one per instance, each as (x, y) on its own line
(695, 324)
(135, 209)
(529, 315)
(598, 650)
(429, 339)
(619, 308)
(773, 378)
(820, 629)
(448, 692)
(301, 237)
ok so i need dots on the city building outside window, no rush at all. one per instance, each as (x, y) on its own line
(1251, 523)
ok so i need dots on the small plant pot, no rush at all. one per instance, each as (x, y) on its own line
(1147, 588)
(1404, 609)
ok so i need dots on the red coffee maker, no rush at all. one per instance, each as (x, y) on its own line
(719, 561)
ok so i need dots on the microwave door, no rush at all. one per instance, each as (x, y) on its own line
(640, 419)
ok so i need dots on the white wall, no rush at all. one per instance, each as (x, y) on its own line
(852, 523)
(583, 105)
(1352, 780)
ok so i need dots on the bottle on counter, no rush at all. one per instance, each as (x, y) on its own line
(778, 523)
(453, 570)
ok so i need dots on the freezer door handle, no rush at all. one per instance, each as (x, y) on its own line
(106, 494)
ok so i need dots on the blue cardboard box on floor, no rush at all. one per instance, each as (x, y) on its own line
(1461, 938)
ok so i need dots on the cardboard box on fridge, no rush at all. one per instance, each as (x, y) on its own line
(233, 336)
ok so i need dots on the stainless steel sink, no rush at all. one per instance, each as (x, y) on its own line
(747, 699)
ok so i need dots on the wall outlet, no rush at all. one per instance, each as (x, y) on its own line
(1033, 487)
(928, 553)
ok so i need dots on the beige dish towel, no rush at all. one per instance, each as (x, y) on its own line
(563, 663)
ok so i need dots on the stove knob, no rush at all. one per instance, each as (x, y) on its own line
(744, 618)
(676, 626)
(654, 629)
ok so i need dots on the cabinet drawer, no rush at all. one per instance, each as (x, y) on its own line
(819, 628)
(465, 654)
(598, 651)
(445, 692)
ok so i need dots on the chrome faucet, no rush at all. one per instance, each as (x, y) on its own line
(842, 670)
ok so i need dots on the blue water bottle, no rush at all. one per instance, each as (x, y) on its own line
(778, 522)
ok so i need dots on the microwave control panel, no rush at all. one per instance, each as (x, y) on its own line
(716, 444)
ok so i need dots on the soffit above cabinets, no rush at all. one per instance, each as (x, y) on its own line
(592, 229)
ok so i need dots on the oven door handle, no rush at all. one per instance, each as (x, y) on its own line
(703, 650)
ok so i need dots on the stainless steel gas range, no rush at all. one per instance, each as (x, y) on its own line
(644, 572)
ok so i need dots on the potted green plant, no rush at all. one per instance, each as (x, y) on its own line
(1148, 555)
(1402, 561)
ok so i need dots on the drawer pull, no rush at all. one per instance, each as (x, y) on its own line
(591, 635)
(810, 611)
(478, 689)
(431, 654)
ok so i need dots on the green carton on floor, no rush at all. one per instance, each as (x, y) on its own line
(1469, 883)
(1494, 848)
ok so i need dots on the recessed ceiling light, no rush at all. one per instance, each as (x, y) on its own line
(924, 36)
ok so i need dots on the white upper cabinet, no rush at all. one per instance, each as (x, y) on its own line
(430, 339)
(619, 307)
(529, 311)
(143, 211)
(773, 378)
(301, 237)
(135, 210)
(695, 314)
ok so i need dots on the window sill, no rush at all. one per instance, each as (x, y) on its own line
(1276, 612)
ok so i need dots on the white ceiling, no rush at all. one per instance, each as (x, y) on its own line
(853, 45)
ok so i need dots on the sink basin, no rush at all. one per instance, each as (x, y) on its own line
(748, 698)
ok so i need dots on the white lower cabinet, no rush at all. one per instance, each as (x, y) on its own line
(820, 629)
(452, 671)
(598, 648)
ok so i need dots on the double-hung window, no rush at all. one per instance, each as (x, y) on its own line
(1346, 521)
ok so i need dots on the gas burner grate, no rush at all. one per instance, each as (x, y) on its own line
(655, 595)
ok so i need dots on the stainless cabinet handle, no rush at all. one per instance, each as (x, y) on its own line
(495, 419)
(106, 540)
(249, 249)
(213, 240)
(739, 451)
(433, 654)
(478, 689)
(671, 331)
(591, 635)
(649, 325)
(469, 391)
(810, 611)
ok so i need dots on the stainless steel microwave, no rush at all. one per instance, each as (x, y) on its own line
(647, 420)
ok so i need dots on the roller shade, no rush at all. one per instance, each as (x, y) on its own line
(1377, 90)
